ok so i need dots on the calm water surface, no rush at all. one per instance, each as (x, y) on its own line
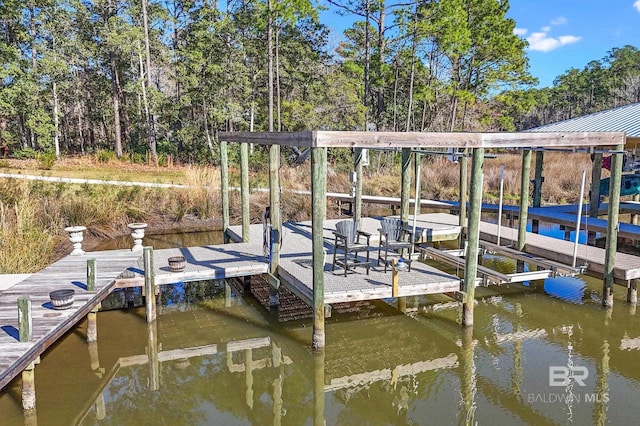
(215, 356)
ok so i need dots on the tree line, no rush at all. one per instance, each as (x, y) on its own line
(161, 77)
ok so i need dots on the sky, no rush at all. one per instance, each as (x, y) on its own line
(562, 34)
(565, 34)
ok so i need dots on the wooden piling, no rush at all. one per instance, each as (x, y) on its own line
(612, 227)
(244, 190)
(91, 275)
(92, 326)
(357, 167)
(29, 389)
(149, 284)
(596, 172)
(394, 278)
(473, 237)
(538, 179)
(319, 202)
(318, 389)
(25, 334)
(464, 188)
(405, 189)
(248, 377)
(524, 199)
(632, 292)
(274, 204)
(224, 188)
(153, 356)
(24, 318)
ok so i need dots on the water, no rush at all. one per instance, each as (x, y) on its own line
(215, 356)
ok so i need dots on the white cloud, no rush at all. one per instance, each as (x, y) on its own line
(545, 29)
(542, 42)
(561, 20)
(522, 31)
(637, 5)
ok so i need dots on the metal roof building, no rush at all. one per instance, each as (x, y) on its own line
(622, 119)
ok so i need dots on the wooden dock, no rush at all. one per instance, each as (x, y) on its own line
(296, 269)
(567, 215)
(49, 324)
(627, 266)
(124, 268)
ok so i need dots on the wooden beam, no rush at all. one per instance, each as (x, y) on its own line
(335, 139)
(24, 318)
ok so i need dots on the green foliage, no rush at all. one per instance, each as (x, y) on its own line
(104, 156)
(46, 160)
(25, 153)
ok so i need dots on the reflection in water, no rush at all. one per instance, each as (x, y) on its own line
(570, 289)
(215, 356)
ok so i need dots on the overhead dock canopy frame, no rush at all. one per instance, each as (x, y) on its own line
(319, 140)
(336, 139)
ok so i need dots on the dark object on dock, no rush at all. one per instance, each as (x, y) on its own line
(177, 263)
(62, 299)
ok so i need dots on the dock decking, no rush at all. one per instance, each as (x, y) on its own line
(124, 268)
(627, 266)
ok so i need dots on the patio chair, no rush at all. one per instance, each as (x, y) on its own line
(348, 240)
(395, 237)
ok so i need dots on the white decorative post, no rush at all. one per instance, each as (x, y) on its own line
(137, 233)
(76, 235)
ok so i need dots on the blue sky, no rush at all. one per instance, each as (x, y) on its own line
(562, 34)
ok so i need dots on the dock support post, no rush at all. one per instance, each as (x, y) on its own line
(464, 187)
(473, 237)
(406, 185)
(224, 188)
(318, 389)
(319, 202)
(92, 325)
(248, 377)
(357, 205)
(91, 275)
(596, 173)
(149, 284)
(24, 318)
(274, 215)
(632, 292)
(612, 227)
(244, 189)
(538, 179)
(468, 377)
(28, 375)
(524, 204)
(153, 356)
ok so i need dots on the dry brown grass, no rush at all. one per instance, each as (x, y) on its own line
(44, 209)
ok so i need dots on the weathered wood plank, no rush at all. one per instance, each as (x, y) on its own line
(390, 140)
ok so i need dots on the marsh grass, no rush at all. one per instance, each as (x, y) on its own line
(33, 214)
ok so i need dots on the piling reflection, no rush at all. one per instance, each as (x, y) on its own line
(215, 356)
